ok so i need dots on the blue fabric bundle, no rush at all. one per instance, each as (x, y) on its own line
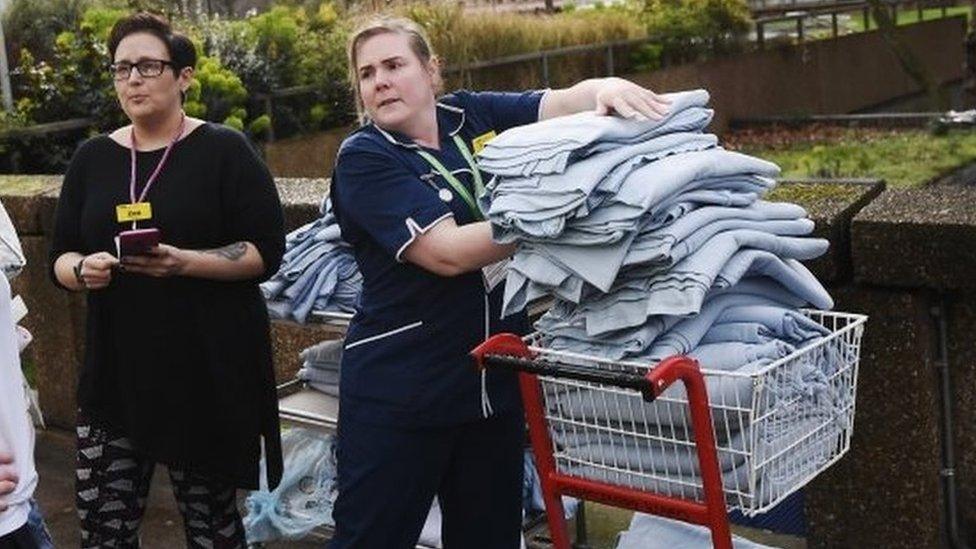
(318, 272)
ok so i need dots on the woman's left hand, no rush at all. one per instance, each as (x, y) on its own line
(160, 261)
(626, 99)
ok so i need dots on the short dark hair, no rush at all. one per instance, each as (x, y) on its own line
(182, 52)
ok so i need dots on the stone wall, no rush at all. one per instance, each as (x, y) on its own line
(911, 251)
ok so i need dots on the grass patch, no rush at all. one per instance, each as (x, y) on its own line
(462, 37)
(902, 158)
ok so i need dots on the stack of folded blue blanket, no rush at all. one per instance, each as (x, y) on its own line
(318, 272)
(320, 366)
(655, 241)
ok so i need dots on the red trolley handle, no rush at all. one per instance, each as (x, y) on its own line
(509, 351)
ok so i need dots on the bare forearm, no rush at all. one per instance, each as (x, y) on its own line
(237, 261)
(605, 96)
(576, 98)
(450, 250)
(474, 248)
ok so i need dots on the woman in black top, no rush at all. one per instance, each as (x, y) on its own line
(178, 363)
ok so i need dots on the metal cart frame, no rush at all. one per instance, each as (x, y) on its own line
(543, 373)
(507, 350)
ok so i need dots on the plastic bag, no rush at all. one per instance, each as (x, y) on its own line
(532, 501)
(307, 492)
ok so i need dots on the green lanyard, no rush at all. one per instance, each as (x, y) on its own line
(459, 188)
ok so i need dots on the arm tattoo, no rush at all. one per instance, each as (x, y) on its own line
(231, 252)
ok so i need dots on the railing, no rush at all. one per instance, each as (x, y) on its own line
(760, 8)
(39, 130)
(835, 9)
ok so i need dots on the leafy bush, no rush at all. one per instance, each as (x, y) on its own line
(75, 83)
(283, 48)
(33, 25)
(216, 94)
(691, 28)
(647, 57)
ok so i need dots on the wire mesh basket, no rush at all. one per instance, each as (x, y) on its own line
(776, 425)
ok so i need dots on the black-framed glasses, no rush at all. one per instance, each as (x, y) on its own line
(147, 68)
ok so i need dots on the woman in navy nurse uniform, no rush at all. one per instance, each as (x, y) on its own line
(418, 420)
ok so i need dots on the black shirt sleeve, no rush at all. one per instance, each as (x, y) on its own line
(67, 219)
(254, 208)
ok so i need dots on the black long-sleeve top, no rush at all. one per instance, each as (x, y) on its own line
(181, 365)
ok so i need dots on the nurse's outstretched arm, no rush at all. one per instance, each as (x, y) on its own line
(449, 250)
(605, 96)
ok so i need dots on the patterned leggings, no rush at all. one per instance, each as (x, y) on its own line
(113, 481)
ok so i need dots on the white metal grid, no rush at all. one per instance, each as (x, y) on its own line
(775, 427)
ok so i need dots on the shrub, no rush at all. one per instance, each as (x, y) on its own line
(217, 93)
(461, 38)
(283, 48)
(74, 84)
(34, 24)
(692, 28)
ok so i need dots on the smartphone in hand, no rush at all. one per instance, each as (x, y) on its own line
(136, 242)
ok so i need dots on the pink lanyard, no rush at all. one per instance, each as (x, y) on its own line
(159, 167)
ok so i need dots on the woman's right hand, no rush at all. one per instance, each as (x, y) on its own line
(96, 270)
(8, 479)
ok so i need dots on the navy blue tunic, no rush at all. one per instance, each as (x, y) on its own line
(406, 358)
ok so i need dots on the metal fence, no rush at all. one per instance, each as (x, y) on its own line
(833, 10)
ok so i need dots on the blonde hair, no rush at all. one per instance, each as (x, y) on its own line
(419, 44)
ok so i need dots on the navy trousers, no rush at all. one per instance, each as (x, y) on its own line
(388, 477)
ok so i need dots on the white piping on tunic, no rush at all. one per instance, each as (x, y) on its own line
(486, 409)
(388, 333)
(416, 230)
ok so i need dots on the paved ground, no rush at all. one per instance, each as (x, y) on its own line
(162, 526)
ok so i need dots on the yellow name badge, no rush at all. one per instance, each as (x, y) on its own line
(482, 140)
(140, 211)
